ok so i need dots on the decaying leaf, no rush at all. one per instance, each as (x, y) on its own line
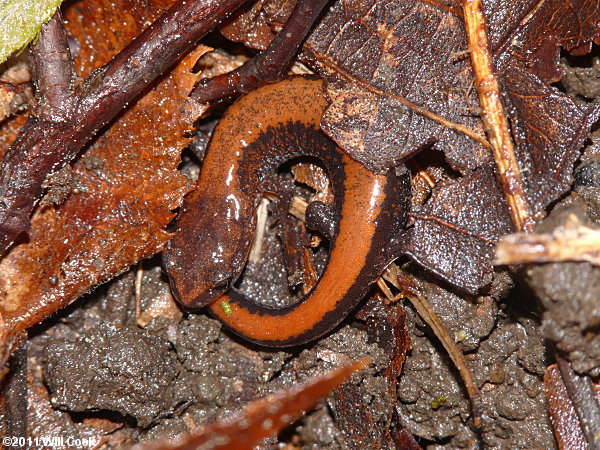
(125, 187)
(455, 232)
(257, 23)
(355, 420)
(386, 324)
(410, 289)
(399, 81)
(117, 23)
(353, 414)
(566, 424)
(397, 66)
(549, 127)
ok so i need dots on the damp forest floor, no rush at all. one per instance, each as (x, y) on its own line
(103, 370)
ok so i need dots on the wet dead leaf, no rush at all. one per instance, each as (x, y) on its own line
(455, 232)
(401, 65)
(567, 428)
(118, 23)
(355, 421)
(398, 83)
(386, 325)
(256, 24)
(400, 80)
(125, 187)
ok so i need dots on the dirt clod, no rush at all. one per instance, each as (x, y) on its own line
(87, 374)
(569, 293)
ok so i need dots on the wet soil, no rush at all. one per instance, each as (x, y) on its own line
(177, 373)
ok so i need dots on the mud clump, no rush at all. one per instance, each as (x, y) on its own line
(569, 293)
(121, 369)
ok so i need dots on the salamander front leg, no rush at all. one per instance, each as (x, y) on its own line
(321, 218)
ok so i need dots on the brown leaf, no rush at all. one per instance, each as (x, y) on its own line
(263, 417)
(126, 185)
(386, 325)
(398, 82)
(117, 23)
(404, 440)
(397, 318)
(455, 232)
(256, 24)
(549, 129)
(9, 131)
(355, 421)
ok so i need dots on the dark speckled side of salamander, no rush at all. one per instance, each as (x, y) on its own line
(259, 133)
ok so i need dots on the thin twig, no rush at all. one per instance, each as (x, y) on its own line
(45, 144)
(401, 281)
(493, 116)
(270, 65)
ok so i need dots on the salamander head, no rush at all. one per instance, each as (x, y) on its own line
(206, 256)
(199, 281)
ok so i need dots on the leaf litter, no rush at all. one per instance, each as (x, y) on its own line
(123, 191)
(438, 109)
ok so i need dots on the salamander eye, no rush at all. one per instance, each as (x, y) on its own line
(223, 284)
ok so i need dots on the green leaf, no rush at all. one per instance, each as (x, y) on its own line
(20, 22)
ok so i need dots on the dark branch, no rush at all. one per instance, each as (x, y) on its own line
(271, 64)
(46, 144)
(152, 52)
(582, 394)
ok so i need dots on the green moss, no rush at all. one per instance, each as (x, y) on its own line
(439, 401)
(21, 21)
(226, 307)
(460, 336)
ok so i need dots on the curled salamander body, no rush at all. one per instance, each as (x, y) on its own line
(259, 133)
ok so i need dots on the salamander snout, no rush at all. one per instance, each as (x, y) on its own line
(205, 292)
(199, 280)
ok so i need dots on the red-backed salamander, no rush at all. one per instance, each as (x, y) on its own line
(261, 131)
